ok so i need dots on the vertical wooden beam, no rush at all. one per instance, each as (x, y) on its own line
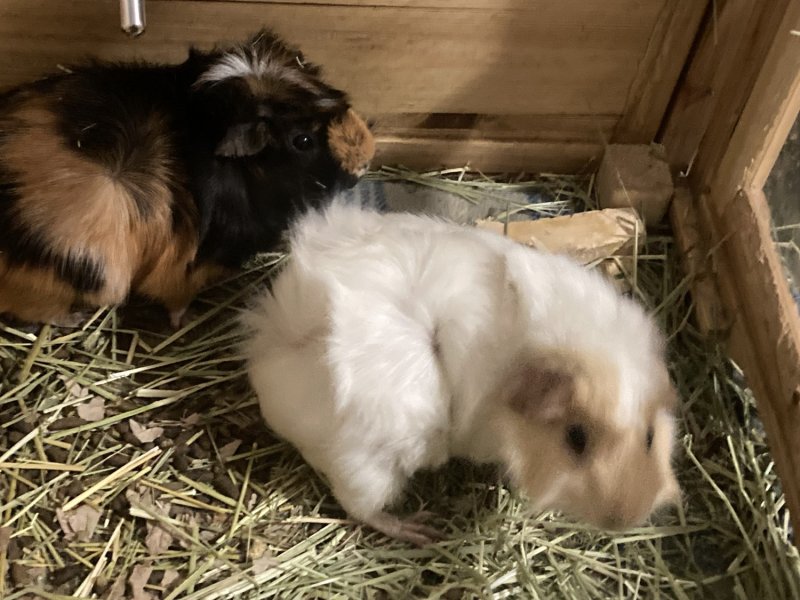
(756, 105)
(765, 333)
(761, 128)
(723, 69)
(659, 69)
(697, 262)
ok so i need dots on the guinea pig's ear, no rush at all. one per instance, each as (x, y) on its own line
(244, 139)
(543, 393)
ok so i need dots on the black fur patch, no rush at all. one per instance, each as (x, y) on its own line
(22, 247)
(124, 117)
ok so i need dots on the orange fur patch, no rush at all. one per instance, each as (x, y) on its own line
(34, 294)
(75, 204)
(351, 143)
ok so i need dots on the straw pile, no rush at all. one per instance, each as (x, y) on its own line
(134, 465)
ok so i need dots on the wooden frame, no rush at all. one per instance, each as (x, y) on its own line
(729, 138)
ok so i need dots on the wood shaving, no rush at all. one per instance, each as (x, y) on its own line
(94, 410)
(158, 540)
(138, 579)
(145, 434)
(79, 523)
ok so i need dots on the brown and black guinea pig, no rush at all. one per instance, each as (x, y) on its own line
(157, 179)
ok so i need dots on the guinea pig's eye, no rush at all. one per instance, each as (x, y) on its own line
(303, 142)
(649, 439)
(576, 439)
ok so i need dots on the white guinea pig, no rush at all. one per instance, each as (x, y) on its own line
(391, 343)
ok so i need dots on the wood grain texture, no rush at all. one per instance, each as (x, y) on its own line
(575, 60)
(510, 65)
(489, 156)
(758, 100)
(764, 123)
(749, 63)
(697, 262)
(729, 60)
(765, 329)
(724, 31)
(670, 41)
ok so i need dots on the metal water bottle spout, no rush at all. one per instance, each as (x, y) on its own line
(132, 17)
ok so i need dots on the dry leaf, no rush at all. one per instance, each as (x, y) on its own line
(137, 581)
(73, 388)
(170, 576)
(257, 549)
(145, 434)
(192, 420)
(158, 540)
(79, 523)
(208, 535)
(139, 497)
(94, 410)
(117, 589)
(264, 563)
(229, 449)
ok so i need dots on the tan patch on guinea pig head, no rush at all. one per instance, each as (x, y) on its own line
(567, 450)
(352, 143)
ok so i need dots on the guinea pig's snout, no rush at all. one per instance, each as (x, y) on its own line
(349, 180)
(618, 520)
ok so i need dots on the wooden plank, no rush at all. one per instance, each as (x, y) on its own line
(669, 45)
(503, 85)
(765, 122)
(571, 57)
(448, 4)
(749, 67)
(551, 128)
(697, 262)
(765, 332)
(489, 156)
(746, 128)
(716, 57)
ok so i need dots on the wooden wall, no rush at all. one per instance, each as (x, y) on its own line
(730, 118)
(503, 84)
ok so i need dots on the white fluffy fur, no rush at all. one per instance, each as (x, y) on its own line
(377, 349)
(242, 62)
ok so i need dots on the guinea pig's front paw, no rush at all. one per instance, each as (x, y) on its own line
(412, 529)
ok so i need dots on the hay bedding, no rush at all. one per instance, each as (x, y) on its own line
(135, 465)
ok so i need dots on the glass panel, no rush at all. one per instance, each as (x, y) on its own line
(783, 191)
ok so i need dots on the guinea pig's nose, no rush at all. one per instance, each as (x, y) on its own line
(349, 181)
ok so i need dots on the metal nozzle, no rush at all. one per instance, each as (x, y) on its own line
(132, 17)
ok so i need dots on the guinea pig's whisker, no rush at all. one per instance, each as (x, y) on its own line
(320, 184)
